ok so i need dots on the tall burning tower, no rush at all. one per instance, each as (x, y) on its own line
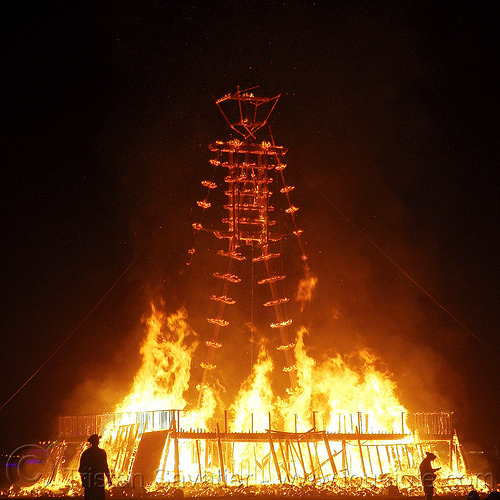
(342, 429)
(251, 233)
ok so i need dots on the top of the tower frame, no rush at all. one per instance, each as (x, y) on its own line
(246, 113)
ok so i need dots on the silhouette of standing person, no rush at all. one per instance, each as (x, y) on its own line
(93, 468)
(427, 475)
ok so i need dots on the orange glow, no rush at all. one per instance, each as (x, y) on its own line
(333, 397)
(339, 428)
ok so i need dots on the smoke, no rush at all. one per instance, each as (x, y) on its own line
(362, 300)
(305, 291)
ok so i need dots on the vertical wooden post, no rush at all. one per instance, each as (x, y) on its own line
(167, 450)
(301, 460)
(451, 453)
(318, 461)
(345, 466)
(330, 456)
(399, 457)
(255, 462)
(119, 438)
(361, 452)
(311, 461)
(370, 460)
(465, 465)
(407, 454)
(379, 460)
(176, 452)
(275, 458)
(221, 457)
(289, 453)
(285, 462)
(198, 456)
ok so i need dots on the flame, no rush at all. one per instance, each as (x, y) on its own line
(164, 375)
(160, 383)
(254, 400)
(334, 395)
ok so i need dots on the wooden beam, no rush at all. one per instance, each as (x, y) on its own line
(361, 452)
(285, 463)
(330, 457)
(176, 452)
(198, 457)
(311, 461)
(379, 460)
(221, 456)
(275, 458)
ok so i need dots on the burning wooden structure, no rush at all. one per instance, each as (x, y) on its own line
(282, 444)
(154, 448)
(251, 231)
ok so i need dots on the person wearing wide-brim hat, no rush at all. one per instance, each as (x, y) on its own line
(93, 468)
(427, 474)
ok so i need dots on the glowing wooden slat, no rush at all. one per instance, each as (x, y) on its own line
(207, 366)
(223, 298)
(275, 237)
(271, 279)
(209, 184)
(247, 206)
(281, 323)
(228, 277)
(218, 321)
(276, 302)
(286, 347)
(215, 345)
(223, 234)
(231, 255)
(266, 257)
(228, 147)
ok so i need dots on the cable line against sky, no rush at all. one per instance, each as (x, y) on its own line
(78, 326)
(402, 271)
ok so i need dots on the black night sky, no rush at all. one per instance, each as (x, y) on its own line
(387, 109)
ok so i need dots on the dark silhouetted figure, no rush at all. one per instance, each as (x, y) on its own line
(473, 495)
(427, 475)
(93, 468)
